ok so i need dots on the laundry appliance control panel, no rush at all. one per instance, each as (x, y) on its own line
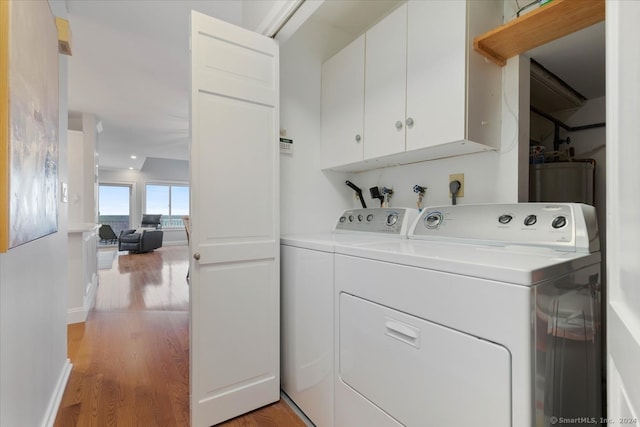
(561, 226)
(394, 221)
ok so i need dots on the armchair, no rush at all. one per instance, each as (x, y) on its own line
(145, 239)
(151, 221)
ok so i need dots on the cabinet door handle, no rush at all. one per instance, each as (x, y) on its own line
(358, 138)
(398, 125)
(196, 256)
(409, 121)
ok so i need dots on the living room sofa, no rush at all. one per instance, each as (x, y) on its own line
(144, 239)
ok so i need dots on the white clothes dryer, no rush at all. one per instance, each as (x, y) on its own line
(307, 295)
(488, 315)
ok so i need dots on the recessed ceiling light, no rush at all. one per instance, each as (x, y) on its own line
(131, 168)
(133, 157)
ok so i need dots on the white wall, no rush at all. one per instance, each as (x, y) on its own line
(33, 309)
(76, 177)
(154, 170)
(83, 191)
(90, 188)
(310, 200)
(489, 177)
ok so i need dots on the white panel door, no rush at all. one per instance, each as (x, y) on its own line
(623, 211)
(234, 322)
(385, 85)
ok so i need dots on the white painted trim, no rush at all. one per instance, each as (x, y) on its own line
(175, 243)
(301, 15)
(76, 315)
(90, 298)
(278, 16)
(79, 314)
(56, 397)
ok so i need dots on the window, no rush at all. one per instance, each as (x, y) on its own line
(170, 200)
(114, 206)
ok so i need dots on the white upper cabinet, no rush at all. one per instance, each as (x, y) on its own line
(453, 93)
(427, 94)
(436, 84)
(385, 85)
(343, 106)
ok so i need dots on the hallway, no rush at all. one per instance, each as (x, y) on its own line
(131, 357)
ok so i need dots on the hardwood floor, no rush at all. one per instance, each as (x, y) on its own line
(131, 357)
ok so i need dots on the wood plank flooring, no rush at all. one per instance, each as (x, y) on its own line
(131, 357)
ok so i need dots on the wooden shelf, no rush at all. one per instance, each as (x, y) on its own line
(547, 23)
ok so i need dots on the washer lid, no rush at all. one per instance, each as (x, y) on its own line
(327, 241)
(522, 265)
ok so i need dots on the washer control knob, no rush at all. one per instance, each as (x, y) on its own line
(392, 219)
(350, 218)
(505, 219)
(343, 218)
(370, 217)
(360, 218)
(559, 222)
(433, 220)
(530, 220)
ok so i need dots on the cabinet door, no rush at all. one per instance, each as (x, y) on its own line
(385, 85)
(436, 72)
(343, 106)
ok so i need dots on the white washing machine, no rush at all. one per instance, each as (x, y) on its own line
(307, 295)
(488, 315)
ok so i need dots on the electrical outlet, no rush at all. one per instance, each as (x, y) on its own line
(458, 177)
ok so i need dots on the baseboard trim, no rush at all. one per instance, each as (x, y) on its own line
(58, 392)
(90, 299)
(76, 315)
(175, 243)
(79, 314)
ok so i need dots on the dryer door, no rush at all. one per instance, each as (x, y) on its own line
(421, 373)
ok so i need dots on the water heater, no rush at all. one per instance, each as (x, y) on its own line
(562, 182)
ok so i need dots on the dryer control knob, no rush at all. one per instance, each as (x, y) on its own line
(370, 217)
(505, 219)
(530, 220)
(392, 219)
(559, 222)
(433, 220)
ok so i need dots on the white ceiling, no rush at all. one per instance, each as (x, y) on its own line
(130, 67)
